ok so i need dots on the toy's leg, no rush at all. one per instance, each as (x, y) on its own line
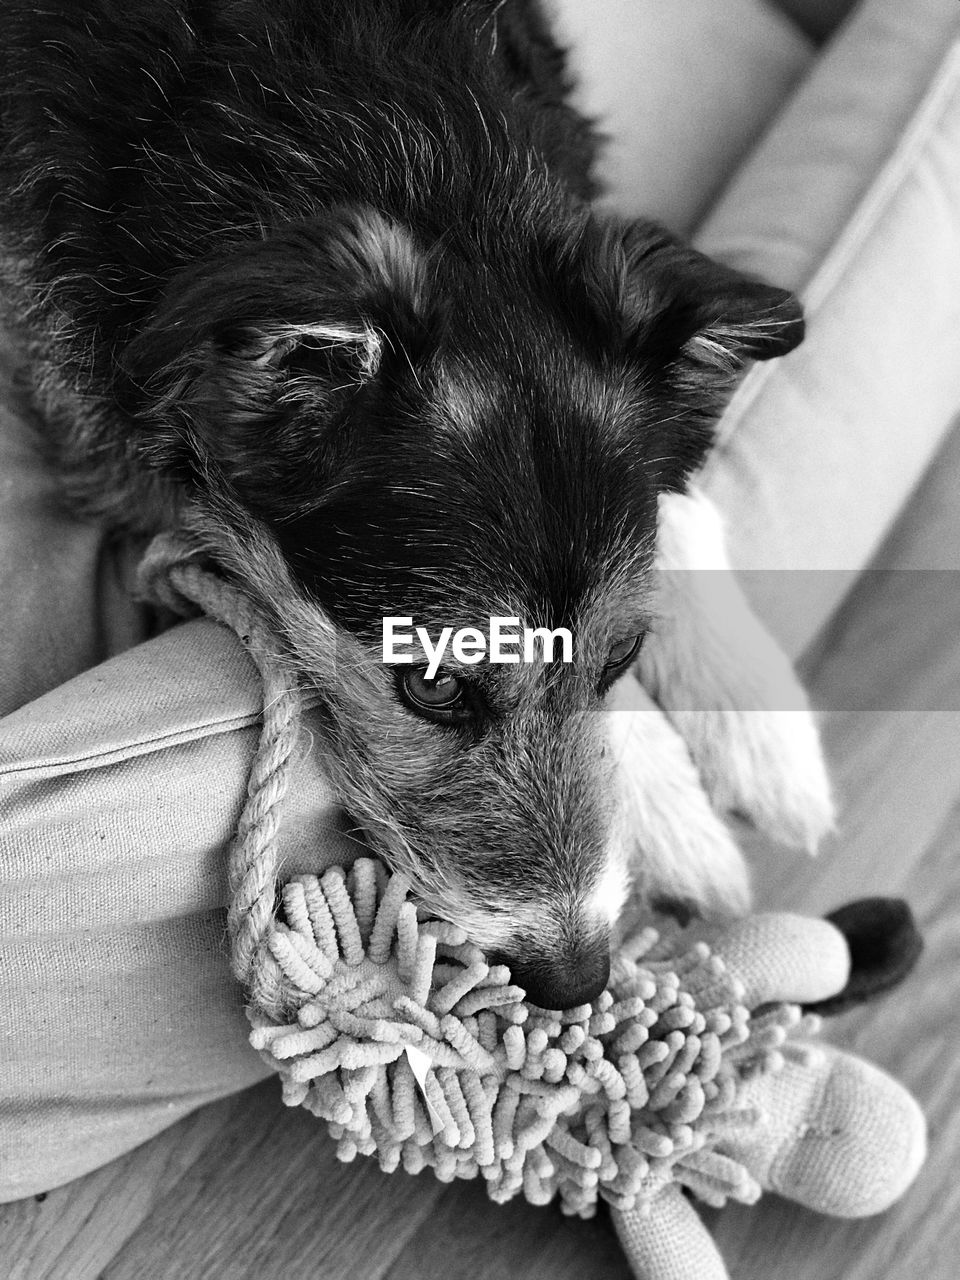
(670, 1242)
(840, 1136)
(778, 956)
(836, 1133)
(728, 688)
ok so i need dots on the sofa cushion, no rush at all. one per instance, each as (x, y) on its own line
(63, 585)
(791, 198)
(854, 199)
(119, 792)
(682, 90)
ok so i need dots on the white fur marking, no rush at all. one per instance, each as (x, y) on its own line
(678, 846)
(727, 686)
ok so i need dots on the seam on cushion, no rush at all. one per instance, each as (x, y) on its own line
(926, 118)
(41, 767)
(48, 766)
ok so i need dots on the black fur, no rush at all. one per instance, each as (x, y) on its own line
(328, 271)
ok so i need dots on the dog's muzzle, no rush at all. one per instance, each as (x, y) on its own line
(564, 981)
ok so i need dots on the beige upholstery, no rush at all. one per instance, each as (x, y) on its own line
(118, 793)
(855, 200)
(681, 89)
(63, 603)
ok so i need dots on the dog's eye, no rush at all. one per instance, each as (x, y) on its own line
(618, 660)
(439, 699)
(623, 651)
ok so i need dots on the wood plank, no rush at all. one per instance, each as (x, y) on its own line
(470, 1238)
(271, 1199)
(73, 1232)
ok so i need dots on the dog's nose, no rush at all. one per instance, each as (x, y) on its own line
(554, 983)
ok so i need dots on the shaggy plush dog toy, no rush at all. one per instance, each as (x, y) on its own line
(697, 1070)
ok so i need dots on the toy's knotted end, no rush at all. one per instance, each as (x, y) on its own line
(885, 945)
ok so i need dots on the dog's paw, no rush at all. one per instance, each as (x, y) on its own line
(677, 846)
(728, 688)
(766, 767)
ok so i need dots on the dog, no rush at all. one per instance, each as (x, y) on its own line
(320, 285)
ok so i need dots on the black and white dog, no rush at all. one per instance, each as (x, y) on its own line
(318, 282)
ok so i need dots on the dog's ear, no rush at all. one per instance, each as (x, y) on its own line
(252, 355)
(691, 325)
(682, 303)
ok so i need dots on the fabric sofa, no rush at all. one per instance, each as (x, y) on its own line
(124, 747)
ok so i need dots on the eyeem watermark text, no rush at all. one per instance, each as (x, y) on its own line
(505, 641)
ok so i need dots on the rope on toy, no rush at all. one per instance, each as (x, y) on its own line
(393, 1028)
(170, 574)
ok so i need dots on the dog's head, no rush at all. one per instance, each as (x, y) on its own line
(448, 432)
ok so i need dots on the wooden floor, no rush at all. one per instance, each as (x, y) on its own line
(246, 1189)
